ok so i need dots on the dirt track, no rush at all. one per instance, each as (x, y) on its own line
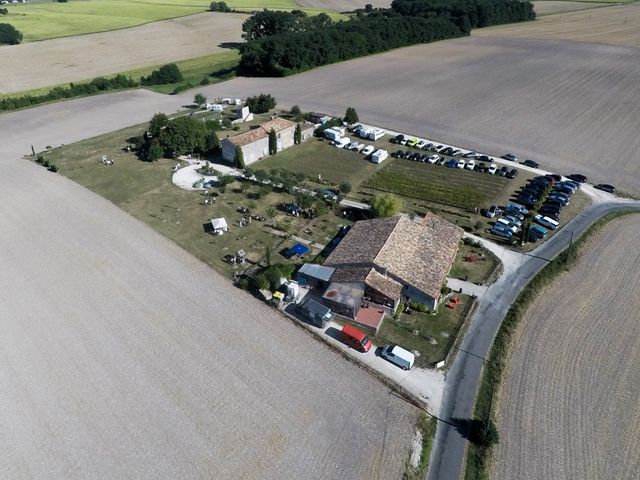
(121, 356)
(616, 25)
(569, 403)
(51, 62)
(548, 7)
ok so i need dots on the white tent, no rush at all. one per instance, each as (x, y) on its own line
(219, 226)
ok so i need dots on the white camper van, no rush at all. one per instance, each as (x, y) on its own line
(398, 356)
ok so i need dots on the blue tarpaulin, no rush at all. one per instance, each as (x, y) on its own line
(297, 249)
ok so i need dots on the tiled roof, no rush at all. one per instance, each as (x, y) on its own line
(418, 254)
(385, 285)
(262, 131)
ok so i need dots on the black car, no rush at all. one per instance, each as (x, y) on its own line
(509, 156)
(484, 158)
(503, 171)
(577, 177)
(415, 157)
(555, 216)
(531, 163)
(397, 139)
(481, 167)
(398, 154)
(423, 158)
(606, 187)
(545, 182)
(555, 176)
(512, 174)
(553, 204)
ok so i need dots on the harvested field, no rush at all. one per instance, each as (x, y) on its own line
(616, 25)
(571, 106)
(569, 402)
(549, 7)
(42, 64)
(342, 5)
(125, 357)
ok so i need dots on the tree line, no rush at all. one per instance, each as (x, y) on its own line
(283, 43)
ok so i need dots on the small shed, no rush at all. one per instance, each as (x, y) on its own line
(315, 275)
(298, 249)
(219, 226)
(317, 314)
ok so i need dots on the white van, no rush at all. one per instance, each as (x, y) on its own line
(342, 142)
(376, 134)
(398, 356)
(331, 134)
(546, 222)
(507, 224)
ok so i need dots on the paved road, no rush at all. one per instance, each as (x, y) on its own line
(121, 356)
(462, 378)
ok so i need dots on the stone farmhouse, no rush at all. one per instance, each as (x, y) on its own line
(255, 142)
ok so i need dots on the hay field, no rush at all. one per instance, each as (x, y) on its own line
(342, 5)
(549, 7)
(616, 25)
(42, 64)
(569, 402)
(571, 106)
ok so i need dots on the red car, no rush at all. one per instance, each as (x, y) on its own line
(355, 338)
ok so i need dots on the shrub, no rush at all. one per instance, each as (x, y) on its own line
(53, 168)
(169, 73)
(261, 103)
(3, 11)
(219, 7)
(385, 205)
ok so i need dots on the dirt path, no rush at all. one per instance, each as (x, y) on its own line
(51, 62)
(569, 403)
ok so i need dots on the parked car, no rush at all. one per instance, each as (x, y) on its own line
(461, 163)
(492, 211)
(471, 155)
(360, 147)
(510, 156)
(531, 163)
(352, 146)
(551, 214)
(355, 338)
(507, 224)
(563, 189)
(397, 154)
(481, 167)
(492, 168)
(428, 146)
(412, 142)
(471, 164)
(442, 160)
(368, 150)
(398, 356)
(415, 157)
(503, 171)
(577, 177)
(546, 222)
(517, 208)
(433, 159)
(397, 139)
(514, 213)
(513, 219)
(501, 231)
(485, 158)
(512, 174)
(605, 187)
(536, 233)
(421, 144)
(555, 176)
(452, 163)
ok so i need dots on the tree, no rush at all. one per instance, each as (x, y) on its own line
(154, 151)
(368, 8)
(297, 135)
(273, 142)
(385, 205)
(271, 22)
(351, 116)
(295, 110)
(267, 256)
(219, 7)
(225, 180)
(3, 11)
(345, 188)
(184, 135)
(9, 35)
(239, 157)
(157, 123)
(261, 103)
(213, 142)
(169, 73)
(199, 100)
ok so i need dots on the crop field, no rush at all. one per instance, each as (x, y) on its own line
(466, 92)
(342, 5)
(614, 25)
(569, 401)
(549, 7)
(438, 184)
(43, 64)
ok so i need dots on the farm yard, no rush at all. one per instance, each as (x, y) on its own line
(613, 25)
(568, 403)
(44, 64)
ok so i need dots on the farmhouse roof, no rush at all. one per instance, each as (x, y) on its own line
(385, 285)
(262, 131)
(418, 254)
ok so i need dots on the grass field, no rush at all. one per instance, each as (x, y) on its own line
(41, 21)
(431, 335)
(145, 191)
(478, 271)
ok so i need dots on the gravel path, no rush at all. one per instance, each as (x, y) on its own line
(121, 356)
(569, 402)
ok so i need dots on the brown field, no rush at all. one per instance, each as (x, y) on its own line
(342, 5)
(549, 7)
(51, 62)
(569, 403)
(571, 106)
(617, 25)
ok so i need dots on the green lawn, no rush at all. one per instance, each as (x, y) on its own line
(40, 21)
(479, 270)
(145, 191)
(431, 335)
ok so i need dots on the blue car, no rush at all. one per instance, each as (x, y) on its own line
(537, 233)
(452, 164)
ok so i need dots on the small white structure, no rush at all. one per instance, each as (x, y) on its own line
(342, 142)
(332, 134)
(293, 291)
(215, 107)
(376, 134)
(219, 226)
(379, 156)
(243, 115)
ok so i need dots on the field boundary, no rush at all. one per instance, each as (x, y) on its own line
(478, 458)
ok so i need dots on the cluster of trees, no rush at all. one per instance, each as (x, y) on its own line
(97, 85)
(269, 279)
(169, 73)
(261, 103)
(170, 138)
(219, 7)
(3, 11)
(385, 205)
(9, 35)
(277, 176)
(282, 43)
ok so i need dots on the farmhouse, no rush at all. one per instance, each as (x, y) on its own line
(381, 261)
(255, 142)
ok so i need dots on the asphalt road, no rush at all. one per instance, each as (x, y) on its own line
(121, 356)
(463, 377)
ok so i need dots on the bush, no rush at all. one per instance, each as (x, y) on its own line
(53, 168)
(399, 310)
(3, 11)
(261, 103)
(219, 7)
(169, 73)
(385, 205)
(295, 110)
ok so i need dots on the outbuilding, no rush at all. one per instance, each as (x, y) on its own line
(379, 156)
(219, 226)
